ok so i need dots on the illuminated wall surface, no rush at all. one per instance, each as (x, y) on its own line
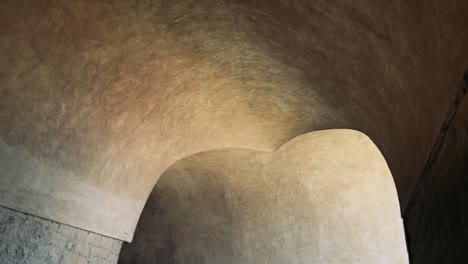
(324, 197)
(99, 98)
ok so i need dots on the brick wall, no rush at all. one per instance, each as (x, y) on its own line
(27, 239)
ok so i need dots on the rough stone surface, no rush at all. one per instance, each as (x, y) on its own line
(25, 239)
(437, 218)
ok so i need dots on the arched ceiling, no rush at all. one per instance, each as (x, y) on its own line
(98, 98)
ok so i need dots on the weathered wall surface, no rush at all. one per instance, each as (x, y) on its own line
(99, 98)
(25, 239)
(326, 197)
(437, 218)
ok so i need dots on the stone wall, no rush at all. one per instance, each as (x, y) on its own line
(437, 218)
(27, 239)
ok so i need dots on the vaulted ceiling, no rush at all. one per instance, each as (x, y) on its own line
(99, 98)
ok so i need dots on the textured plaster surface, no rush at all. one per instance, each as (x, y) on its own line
(325, 197)
(99, 98)
(25, 239)
(437, 219)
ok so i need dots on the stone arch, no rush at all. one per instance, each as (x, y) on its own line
(323, 197)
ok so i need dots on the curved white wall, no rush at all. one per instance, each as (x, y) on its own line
(324, 197)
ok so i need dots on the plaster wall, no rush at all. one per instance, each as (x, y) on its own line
(325, 197)
(99, 98)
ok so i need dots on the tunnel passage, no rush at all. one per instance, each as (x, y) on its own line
(324, 197)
